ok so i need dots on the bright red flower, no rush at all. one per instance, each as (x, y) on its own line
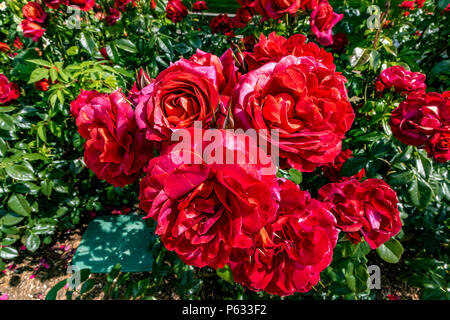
(369, 207)
(420, 3)
(322, 21)
(33, 12)
(32, 30)
(275, 9)
(42, 85)
(199, 6)
(221, 24)
(4, 47)
(113, 16)
(84, 5)
(243, 16)
(176, 11)
(18, 44)
(438, 147)
(205, 210)
(407, 5)
(305, 101)
(419, 117)
(8, 90)
(122, 4)
(274, 47)
(290, 252)
(54, 4)
(402, 80)
(333, 171)
(115, 150)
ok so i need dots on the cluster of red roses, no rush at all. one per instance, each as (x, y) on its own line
(422, 119)
(274, 236)
(411, 5)
(8, 90)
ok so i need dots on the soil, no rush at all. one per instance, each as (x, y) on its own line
(33, 275)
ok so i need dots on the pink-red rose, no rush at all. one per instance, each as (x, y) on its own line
(199, 6)
(205, 210)
(33, 12)
(274, 47)
(290, 252)
(8, 90)
(305, 101)
(32, 30)
(176, 10)
(84, 5)
(402, 80)
(322, 21)
(115, 150)
(419, 117)
(54, 4)
(275, 9)
(368, 207)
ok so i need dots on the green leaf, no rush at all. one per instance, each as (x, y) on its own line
(420, 193)
(51, 295)
(126, 45)
(391, 251)
(87, 286)
(41, 62)
(353, 165)
(10, 219)
(295, 176)
(38, 74)
(88, 43)
(20, 172)
(19, 204)
(8, 253)
(32, 242)
(226, 274)
(359, 57)
(400, 178)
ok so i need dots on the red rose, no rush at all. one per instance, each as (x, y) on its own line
(205, 210)
(199, 6)
(18, 44)
(185, 92)
(84, 5)
(402, 80)
(438, 147)
(243, 16)
(303, 99)
(8, 91)
(420, 3)
(42, 85)
(153, 5)
(122, 4)
(407, 5)
(113, 16)
(309, 4)
(379, 86)
(369, 207)
(340, 42)
(290, 252)
(419, 117)
(141, 82)
(176, 10)
(274, 48)
(322, 21)
(115, 150)
(32, 30)
(333, 171)
(4, 47)
(245, 3)
(54, 4)
(33, 12)
(221, 24)
(275, 9)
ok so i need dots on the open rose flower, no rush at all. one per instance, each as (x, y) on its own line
(187, 91)
(84, 5)
(333, 171)
(322, 21)
(290, 252)
(275, 9)
(419, 117)
(274, 47)
(33, 12)
(221, 24)
(304, 101)
(402, 80)
(203, 208)
(113, 16)
(243, 16)
(176, 11)
(438, 147)
(368, 207)
(32, 30)
(115, 150)
(8, 90)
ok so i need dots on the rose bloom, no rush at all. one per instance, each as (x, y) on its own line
(368, 207)
(33, 12)
(122, 4)
(32, 30)
(8, 90)
(407, 5)
(438, 147)
(84, 5)
(322, 21)
(113, 16)
(243, 16)
(402, 80)
(18, 44)
(276, 9)
(273, 48)
(305, 101)
(333, 171)
(290, 252)
(176, 11)
(419, 117)
(54, 4)
(141, 82)
(199, 6)
(420, 3)
(203, 208)
(115, 150)
(221, 24)
(4, 47)
(188, 91)
(42, 85)
(340, 42)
